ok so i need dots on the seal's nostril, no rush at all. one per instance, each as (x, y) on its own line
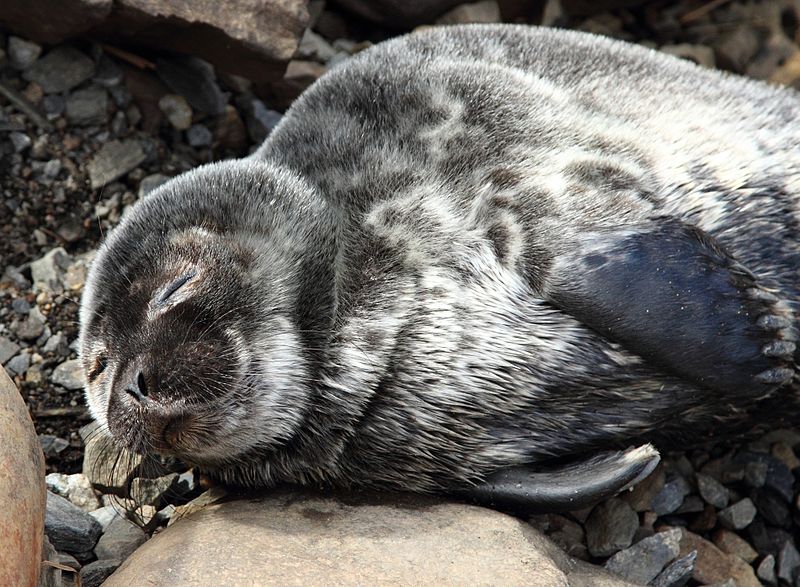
(138, 391)
(141, 384)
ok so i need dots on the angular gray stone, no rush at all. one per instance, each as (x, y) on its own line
(678, 573)
(314, 47)
(151, 182)
(22, 53)
(52, 445)
(484, 11)
(20, 140)
(106, 514)
(120, 539)
(399, 13)
(788, 563)
(19, 365)
(69, 375)
(671, 496)
(114, 160)
(643, 561)
(88, 106)
(68, 527)
(610, 527)
(8, 349)
(61, 69)
(289, 538)
(738, 515)
(712, 491)
(31, 327)
(47, 271)
(195, 80)
(94, 574)
(765, 570)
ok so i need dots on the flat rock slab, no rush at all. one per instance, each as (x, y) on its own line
(249, 37)
(292, 538)
(22, 490)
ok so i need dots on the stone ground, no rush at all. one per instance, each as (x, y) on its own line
(87, 129)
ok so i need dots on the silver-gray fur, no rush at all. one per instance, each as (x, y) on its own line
(400, 287)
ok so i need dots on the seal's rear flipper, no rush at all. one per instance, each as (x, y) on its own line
(570, 487)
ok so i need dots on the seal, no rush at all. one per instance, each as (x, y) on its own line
(475, 259)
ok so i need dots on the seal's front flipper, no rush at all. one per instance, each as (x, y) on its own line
(570, 487)
(668, 292)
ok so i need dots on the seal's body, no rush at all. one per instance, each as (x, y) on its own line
(464, 250)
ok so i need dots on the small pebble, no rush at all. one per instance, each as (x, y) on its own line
(712, 491)
(93, 574)
(766, 570)
(69, 374)
(738, 515)
(610, 527)
(678, 573)
(120, 539)
(643, 561)
(788, 562)
(198, 135)
(671, 496)
(22, 53)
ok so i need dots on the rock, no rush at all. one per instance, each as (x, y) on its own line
(150, 491)
(76, 488)
(288, 538)
(21, 306)
(712, 491)
(151, 182)
(8, 349)
(739, 515)
(50, 576)
(735, 50)
(678, 573)
(198, 135)
(589, 7)
(88, 106)
(712, 565)
(68, 527)
(94, 574)
(400, 14)
(34, 19)
(54, 106)
(22, 490)
(643, 561)
(766, 570)
(21, 53)
(568, 535)
(56, 345)
(199, 503)
(610, 527)
(772, 508)
(732, 543)
(177, 111)
(778, 476)
(671, 496)
(788, 563)
(194, 80)
(114, 160)
(20, 141)
(105, 515)
(260, 120)
(69, 375)
(31, 327)
(314, 47)
(485, 11)
(120, 539)
(755, 474)
(108, 74)
(19, 365)
(299, 75)
(106, 465)
(47, 271)
(230, 132)
(785, 453)
(52, 445)
(61, 69)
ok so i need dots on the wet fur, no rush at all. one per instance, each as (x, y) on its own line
(385, 285)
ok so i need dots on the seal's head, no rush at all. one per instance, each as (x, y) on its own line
(188, 332)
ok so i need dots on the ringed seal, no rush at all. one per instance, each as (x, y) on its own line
(462, 254)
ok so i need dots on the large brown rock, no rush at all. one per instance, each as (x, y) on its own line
(254, 38)
(302, 539)
(22, 490)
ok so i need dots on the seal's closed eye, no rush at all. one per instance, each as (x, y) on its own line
(99, 366)
(173, 287)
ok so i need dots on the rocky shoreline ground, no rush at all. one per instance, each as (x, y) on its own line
(87, 128)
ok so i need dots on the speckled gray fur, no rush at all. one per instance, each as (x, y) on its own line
(390, 291)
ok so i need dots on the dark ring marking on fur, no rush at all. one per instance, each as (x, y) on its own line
(779, 348)
(770, 322)
(773, 376)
